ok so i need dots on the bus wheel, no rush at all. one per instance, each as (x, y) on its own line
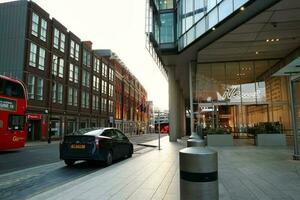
(69, 162)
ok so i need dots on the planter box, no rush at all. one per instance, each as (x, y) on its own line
(270, 140)
(219, 140)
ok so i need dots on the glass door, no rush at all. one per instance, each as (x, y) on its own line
(296, 121)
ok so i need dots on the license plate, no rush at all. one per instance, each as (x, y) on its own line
(77, 146)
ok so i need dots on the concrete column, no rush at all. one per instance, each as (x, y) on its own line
(173, 109)
(182, 115)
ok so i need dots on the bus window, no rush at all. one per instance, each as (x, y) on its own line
(16, 122)
(11, 89)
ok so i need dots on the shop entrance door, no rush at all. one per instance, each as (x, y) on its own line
(34, 130)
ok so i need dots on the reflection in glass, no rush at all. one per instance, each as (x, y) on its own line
(212, 19)
(167, 28)
(232, 95)
(238, 3)
(225, 9)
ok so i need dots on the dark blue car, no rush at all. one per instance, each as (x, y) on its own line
(95, 144)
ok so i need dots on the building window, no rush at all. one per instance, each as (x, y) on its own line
(103, 104)
(104, 87)
(32, 59)
(85, 78)
(61, 68)
(96, 65)
(76, 74)
(111, 74)
(86, 58)
(42, 54)
(54, 65)
(96, 82)
(110, 90)
(35, 24)
(167, 28)
(72, 49)
(40, 87)
(104, 70)
(59, 93)
(31, 81)
(70, 96)
(71, 72)
(85, 100)
(43, 35)
(110, 106)
(62, 42)
(77, 52)
(54, 92)
(56, 38)
(75, 97)
(95, 102)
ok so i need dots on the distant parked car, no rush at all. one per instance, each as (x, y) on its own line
(95, 144)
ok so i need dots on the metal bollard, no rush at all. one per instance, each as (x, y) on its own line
(198, 174)
(195, 143)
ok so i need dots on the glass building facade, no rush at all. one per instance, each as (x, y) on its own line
(232, 95)
(181, 22)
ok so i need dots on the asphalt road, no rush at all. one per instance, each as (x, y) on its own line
(28, 157)
(37, 168)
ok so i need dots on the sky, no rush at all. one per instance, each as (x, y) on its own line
(118, 25)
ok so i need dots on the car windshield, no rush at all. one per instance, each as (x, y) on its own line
(88, 131)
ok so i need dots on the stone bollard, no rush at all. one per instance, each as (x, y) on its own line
(198, 174)
(195, 143)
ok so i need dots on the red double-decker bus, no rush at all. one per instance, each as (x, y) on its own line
(13, 105)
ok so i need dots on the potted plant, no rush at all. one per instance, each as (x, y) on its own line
(269, 134)
(219, 137)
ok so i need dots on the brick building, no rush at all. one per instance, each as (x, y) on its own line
(69, 84)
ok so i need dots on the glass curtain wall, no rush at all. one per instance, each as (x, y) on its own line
(195, 17)
(232, 95)
(296, 94)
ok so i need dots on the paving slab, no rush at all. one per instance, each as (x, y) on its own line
(245, 172)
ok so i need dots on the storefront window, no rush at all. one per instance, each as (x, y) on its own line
(55, 128)
(233, 95)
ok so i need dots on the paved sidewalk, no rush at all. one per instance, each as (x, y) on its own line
(245, 172)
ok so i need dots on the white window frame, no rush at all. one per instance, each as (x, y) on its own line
(62, 42)
(56, 38)
(31, 86)
(70, 96)
(77, 50)
(72, 49)
(75, 97)
(103, 105)
(54, 65)
(71, 72)
(76, 74)
(42, 57)
(104, 87)
(40, 89)
(60, 91)
(43, 32)
(104, 70)
(54, 90)
(61, 68)
(32, 56)
(35, 24)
